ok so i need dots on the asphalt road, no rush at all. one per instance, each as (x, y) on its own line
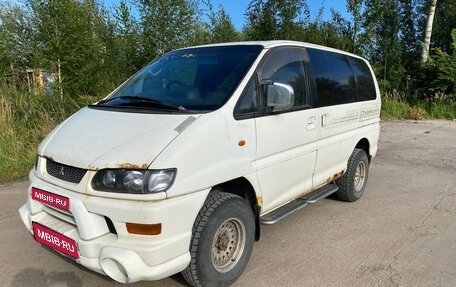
(400, 233)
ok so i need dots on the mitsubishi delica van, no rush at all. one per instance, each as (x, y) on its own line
(177, 169)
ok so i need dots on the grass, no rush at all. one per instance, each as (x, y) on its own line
(395, 106)
(440, 110)
(393, 109)
(25, 119)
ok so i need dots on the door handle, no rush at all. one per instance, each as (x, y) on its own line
(324, 120)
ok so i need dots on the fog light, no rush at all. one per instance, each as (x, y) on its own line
(144, 229)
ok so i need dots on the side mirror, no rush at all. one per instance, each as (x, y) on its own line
(279, 96)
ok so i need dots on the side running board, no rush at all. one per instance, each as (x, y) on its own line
(295, 205)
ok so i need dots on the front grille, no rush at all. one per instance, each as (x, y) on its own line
(65, 172)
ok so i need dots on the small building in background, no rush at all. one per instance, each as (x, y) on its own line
(40, 81)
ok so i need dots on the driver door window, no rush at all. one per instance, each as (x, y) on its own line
(286, 66)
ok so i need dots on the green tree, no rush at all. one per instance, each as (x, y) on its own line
(220, 25)
(274, 19)
(260, 22)
(290, 20)
(355, 7)
(442, 66)
(410, 38)
(382, 26)
(444, 22)
(334, 33)
(16, 41)
(126, 43)
(166, 25)
(70, 43)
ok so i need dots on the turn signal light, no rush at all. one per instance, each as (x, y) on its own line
(144, 229)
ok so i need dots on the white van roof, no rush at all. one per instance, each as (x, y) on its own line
(278, 43)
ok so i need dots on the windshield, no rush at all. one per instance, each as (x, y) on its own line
(194, 79)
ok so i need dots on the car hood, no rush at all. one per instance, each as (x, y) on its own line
(95, 139)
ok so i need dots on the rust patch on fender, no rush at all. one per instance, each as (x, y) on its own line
(128, 165)
(260, 200)
(92, 168)
(336, 176)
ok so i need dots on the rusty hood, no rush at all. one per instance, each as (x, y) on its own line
(95, 139)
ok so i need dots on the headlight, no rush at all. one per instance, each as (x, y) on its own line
(160, 180)
(133, 181)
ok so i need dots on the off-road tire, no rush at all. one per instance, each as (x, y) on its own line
(223, 238)
(353, 183)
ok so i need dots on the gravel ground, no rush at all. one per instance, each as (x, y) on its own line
(401, 233)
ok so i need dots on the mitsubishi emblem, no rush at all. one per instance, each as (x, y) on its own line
(61, 172)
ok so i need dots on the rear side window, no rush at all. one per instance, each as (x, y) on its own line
(364, 83)
(340, 79)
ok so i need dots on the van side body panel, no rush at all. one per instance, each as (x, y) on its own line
(286, 155)
(214, 149)
(301, 150)
(341, 129)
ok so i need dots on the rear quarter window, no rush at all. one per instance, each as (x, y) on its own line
(364, 82)
(340, 79)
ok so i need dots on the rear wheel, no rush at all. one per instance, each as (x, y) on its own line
(353, 183)
(223, 238)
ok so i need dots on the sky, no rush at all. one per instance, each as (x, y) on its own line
(236, 8)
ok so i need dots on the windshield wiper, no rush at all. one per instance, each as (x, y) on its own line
(139, 99)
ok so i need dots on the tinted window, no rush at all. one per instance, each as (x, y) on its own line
(364, 81)
(189, 79)
(286, 66)
(334, 78)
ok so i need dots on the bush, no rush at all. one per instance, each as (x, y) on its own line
(416, 113)
(442, 69)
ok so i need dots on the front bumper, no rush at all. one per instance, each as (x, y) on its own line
(111, 250)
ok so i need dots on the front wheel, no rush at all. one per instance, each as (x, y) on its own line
(223, 238)
(353, 183)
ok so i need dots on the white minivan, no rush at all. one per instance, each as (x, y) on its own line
(176, 170)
